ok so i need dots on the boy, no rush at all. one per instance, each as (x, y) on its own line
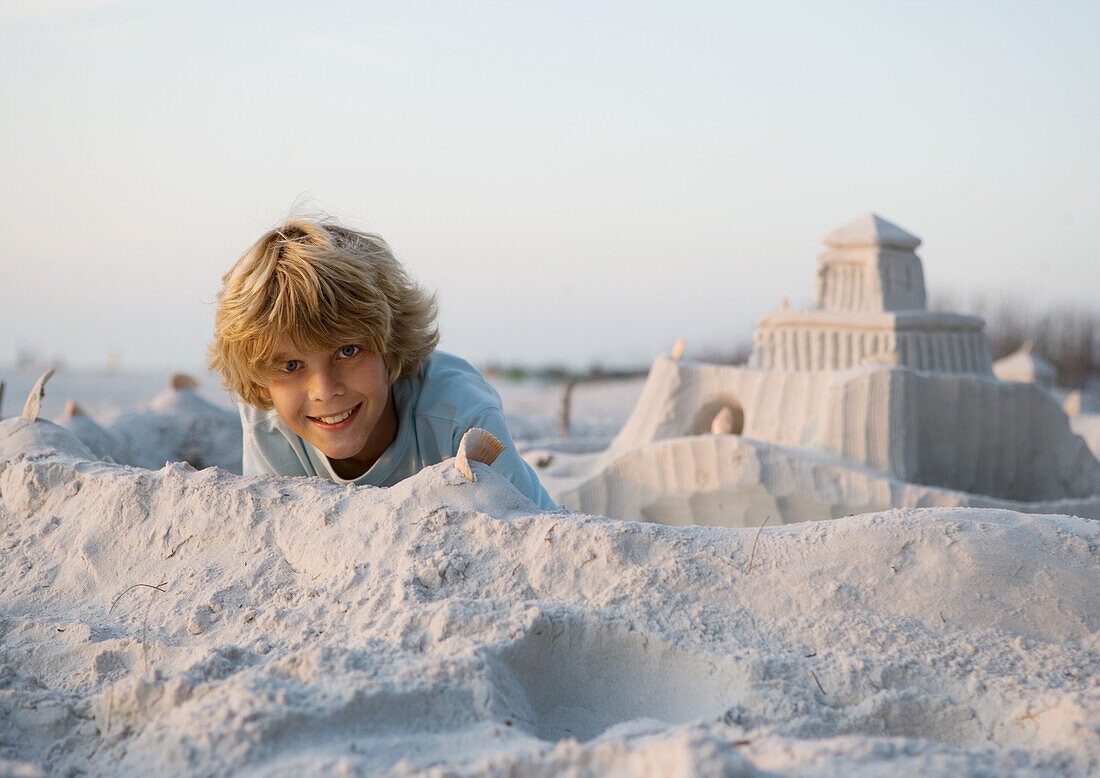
(330, 347)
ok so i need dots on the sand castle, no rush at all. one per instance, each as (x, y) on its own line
(865, 402)
(1025, 366)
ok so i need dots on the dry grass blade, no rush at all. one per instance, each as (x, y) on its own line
(752, 556)
(819, 686)
(159, 587)
(145, 617)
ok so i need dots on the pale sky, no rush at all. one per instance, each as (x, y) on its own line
(579, 181)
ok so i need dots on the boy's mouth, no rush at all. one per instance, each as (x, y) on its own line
(337, 420)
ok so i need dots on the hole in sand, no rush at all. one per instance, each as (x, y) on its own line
(701, 425)
(581, 677)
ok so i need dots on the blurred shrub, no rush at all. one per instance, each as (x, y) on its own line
(1068, 337)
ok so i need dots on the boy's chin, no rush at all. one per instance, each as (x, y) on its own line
(338, 454)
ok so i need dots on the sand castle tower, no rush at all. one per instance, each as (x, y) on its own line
(870, 308)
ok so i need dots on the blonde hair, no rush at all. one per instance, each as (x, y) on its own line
(324, 286)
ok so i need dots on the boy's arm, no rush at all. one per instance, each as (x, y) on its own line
(510, 464)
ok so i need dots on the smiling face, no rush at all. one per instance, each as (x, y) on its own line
(339, 401)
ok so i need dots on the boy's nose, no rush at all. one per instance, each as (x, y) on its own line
(324, 385)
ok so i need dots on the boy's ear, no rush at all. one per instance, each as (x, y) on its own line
(262, 391)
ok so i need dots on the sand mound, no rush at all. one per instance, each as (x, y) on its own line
(448, 628)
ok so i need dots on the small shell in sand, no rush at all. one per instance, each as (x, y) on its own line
(182, 381)
(723, 422)
(678, 349)
(477, 445)
(34, 399)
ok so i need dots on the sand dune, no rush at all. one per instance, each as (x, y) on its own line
(443, 627)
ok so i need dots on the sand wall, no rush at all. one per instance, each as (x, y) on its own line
(959, 431)
(730, 481)
(822, 340)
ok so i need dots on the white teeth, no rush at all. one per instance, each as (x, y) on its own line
(335, 419)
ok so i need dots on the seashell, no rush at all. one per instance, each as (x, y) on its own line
(72, 409)
(678, 349)
(182, 381)
(477, 445)
(723, 422)
(34, 399)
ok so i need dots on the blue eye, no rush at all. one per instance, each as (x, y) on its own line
(348, 351)
(291, 365)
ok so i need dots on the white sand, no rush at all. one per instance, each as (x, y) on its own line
(443, 627)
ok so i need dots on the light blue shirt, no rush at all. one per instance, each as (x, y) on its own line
(434, 408)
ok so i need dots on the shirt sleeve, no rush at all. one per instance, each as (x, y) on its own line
(510, 464)
(252, 461)
(266, 452)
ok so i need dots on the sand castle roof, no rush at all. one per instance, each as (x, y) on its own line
(871, 230)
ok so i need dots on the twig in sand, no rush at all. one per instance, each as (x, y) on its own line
(752, 556)
(819, 686)
(1032, 715)
(158, 587)
(549, 532)
(179, 546)
(516, 567)
(144, 619)
(942, 618)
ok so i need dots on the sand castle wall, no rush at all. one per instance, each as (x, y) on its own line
(820, 340)
(731, 481)
(959, 431)
(962, 432)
